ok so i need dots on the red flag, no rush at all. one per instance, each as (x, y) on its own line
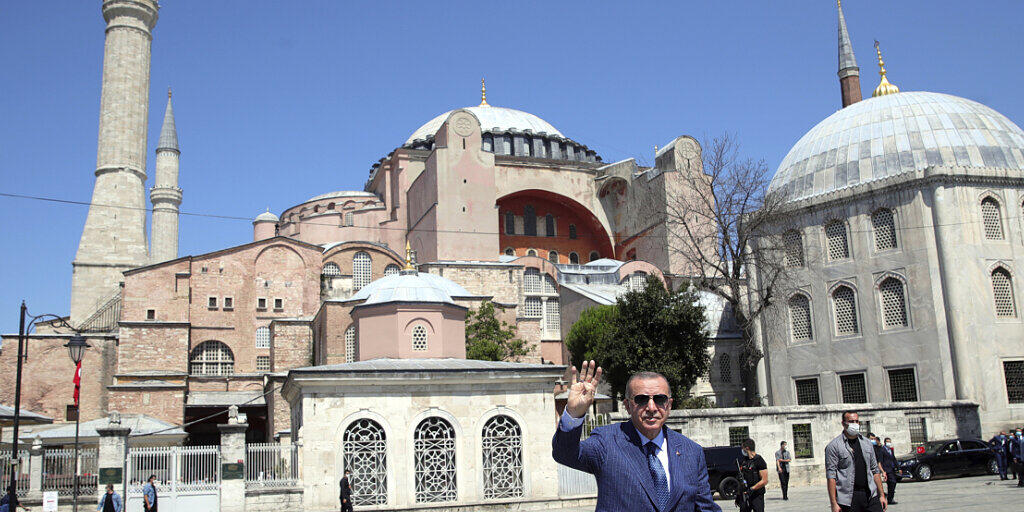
(78, 381)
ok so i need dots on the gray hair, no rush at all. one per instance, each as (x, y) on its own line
(646, 376)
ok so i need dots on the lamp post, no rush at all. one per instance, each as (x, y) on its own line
(76, 348)
(25, 325)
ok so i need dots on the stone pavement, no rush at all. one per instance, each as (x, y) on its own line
(969, 494)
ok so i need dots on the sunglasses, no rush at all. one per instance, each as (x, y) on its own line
(659, 400)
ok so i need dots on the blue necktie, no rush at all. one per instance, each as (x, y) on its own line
(658, 473)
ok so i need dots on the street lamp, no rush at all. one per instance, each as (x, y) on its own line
(76, 348)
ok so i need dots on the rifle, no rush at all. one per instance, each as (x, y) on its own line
(744, 487)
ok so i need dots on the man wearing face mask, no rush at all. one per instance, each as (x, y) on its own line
(999, 443)
(851, 468)
(640, 465)
(888, 463)
(755, 472)
(1017, 452)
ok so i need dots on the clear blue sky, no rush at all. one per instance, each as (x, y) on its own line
(279, 101)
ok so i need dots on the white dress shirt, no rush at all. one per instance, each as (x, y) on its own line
(567, 423)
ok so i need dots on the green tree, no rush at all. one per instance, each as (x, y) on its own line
(490, 339)
(589, 336)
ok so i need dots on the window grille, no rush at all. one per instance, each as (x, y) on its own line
(854, 389)
(918, 431)
(845, 305)
(502, 440)
(737, 435)
(364, 447)
(278, 304)
(1002, 291)
(261, 303)
(263, 363)
(835, 233)
(637, 281)
(331, 269)
(1013, 373)
(794, 248)
(434, 456)
(725, 368)
(553, 315)
(894, 304)
(263, 337)
(212, 358)
(211, 302)
(803, 445)
(553, 256)
(510, 223)
(419, 338)
(349, 219)
(391, 270)
(350, 344)
(510, 251)
(532, 281)
(549, 285)
(532, 307)
(549, 225)
(800, 318)
(884, 227)
(529, 221)
(229, 303)
(531, 252)
(992, 219)
(362, 269)
(807, 392)
(574, 258)
(572, 231)
(902, 385)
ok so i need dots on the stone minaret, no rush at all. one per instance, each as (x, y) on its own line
(165, 195)
(849, 73)
(114, 237)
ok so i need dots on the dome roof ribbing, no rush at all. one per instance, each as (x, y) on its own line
(504, 119)
(411, 287)
(267, 216)
(896, 134)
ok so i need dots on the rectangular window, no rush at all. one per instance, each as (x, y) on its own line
(261, 303)
(737, 435)
(211, 302)
(803, 445)
(1013, 373)
(263, 363)
(532, 307)
(918, 431)
(71, 413)
(553, 314)
(902, 385)
(150, 314)
(278, 304)
(807, 392)
(229, 303)
(854, 389)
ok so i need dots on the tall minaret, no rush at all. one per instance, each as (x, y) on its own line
(165, 195)
(849, 73)
(114, 237)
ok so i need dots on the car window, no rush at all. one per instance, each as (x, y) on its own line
(950, 447)
(972, 445)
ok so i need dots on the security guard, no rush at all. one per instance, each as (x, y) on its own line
(1017, 451)
(999, 444)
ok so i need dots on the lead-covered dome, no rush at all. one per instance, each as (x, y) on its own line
(896, 134)
(491, 119)
(411, 286)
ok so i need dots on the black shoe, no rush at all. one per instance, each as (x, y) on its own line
(893, 503)
(785, 497)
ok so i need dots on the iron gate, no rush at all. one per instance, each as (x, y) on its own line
(187, 477)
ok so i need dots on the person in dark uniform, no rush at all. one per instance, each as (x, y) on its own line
(888, 464)
(782, 460)
(1017, 454)
(998, 444)
(755, 472)
(346, 492)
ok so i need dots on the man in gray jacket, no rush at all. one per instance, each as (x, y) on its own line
(851, 468)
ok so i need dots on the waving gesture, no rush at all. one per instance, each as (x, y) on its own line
(583, 388)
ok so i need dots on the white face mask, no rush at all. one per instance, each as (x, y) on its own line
(874, 442)
(853, 428)
(888, 445)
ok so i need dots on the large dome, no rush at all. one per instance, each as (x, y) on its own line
(504, 119)
(896, 134)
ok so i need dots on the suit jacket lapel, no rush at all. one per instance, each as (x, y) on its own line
(631, 447)
(676, 454)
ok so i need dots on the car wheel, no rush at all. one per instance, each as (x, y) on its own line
(923, 473)
(993, 466)
(727, 487)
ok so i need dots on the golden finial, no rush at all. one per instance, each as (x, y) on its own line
(408, 256)
(483, 94)
(884, 87)
(168, 93)
(655, 149)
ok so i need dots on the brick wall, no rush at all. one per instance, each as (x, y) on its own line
(154, 346)
(290, 345)
(164, 404)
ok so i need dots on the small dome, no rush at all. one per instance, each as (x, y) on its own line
(411, 287)
(504, 119)
(267, 217)
(897, 134)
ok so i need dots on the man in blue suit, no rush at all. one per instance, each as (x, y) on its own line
(640, 465)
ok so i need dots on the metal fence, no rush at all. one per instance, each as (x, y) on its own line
(24, 469)
(185, 468)
(575, 483)
(59, 471)
(271, 465)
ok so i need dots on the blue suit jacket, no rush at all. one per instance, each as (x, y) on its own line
(613, 454)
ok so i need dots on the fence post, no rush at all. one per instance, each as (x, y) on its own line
(35, 467)
(232, 453)
(110, 456)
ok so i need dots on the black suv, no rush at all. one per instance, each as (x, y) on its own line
(723, 475)
(948, 457)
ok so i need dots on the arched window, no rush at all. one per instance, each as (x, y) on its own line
(419, 338)
(391, 269)
(529, 221)
(434, 455)
(531, 252)
(794, 248)
(800, 318)
(844, 302)
(553, 256)
(1002, 290)
(531, 281)
(725, 367)
(350, 344)
(362, 270)
(331, 269)
(574, 258)
(637, 281)
(594, 256)
(884, 227)
(527, 147)
(330, 206)
(572, 231)
(349, 219)
(549, 285)
(510, 223)
(835, 234)
(487, 142)
(992, 219)
(502, 441)
(510, 251)
(549, 225)
(894, 303)
(364, 448)
(211, 358)
(263, 337)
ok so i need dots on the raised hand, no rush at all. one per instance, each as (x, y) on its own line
(583, 388)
